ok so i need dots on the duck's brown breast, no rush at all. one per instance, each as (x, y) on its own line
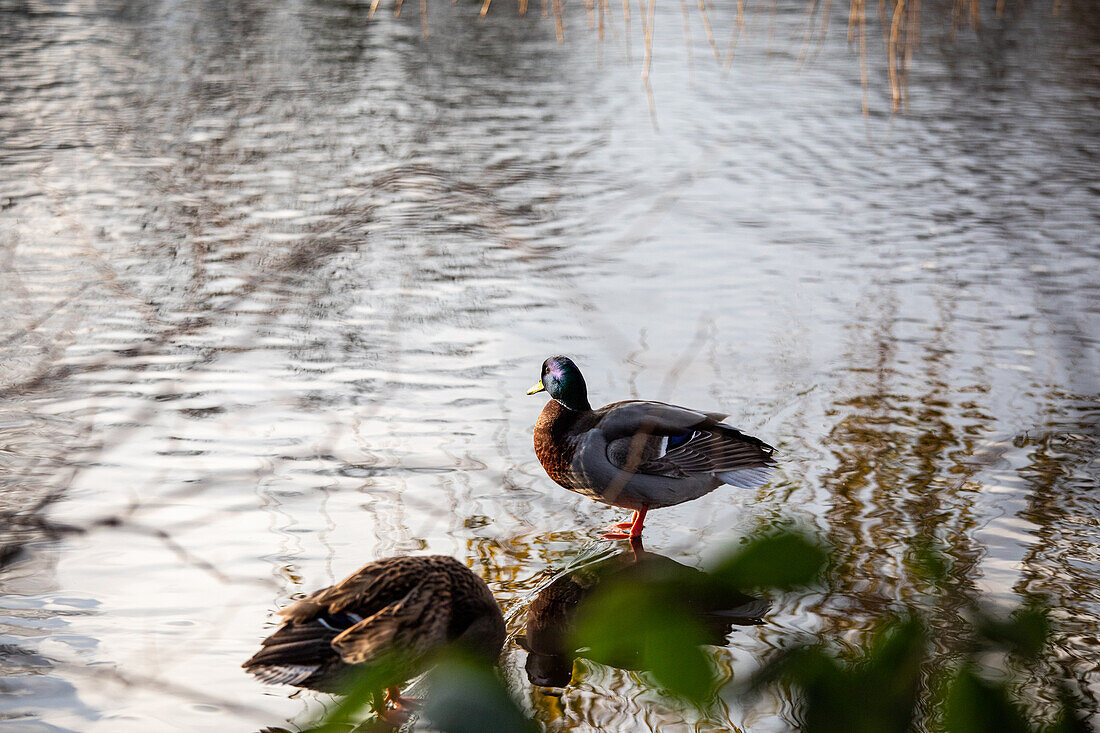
(553, 444)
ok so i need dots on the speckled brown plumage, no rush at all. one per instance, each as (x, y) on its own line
(410, 606)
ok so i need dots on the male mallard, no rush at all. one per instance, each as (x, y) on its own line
(638, 455)
(392, 611)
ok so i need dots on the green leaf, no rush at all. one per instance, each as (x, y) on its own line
(875, 693)
(782, 561)
(1024, 633)
(681, 667)
(364, 690)
(975, 705)
(637, 626)
(465, 696)
(929, 560)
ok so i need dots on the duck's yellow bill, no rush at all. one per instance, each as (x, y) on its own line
(537, 388)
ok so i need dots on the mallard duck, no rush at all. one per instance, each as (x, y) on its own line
(399, 609)
(635, 454)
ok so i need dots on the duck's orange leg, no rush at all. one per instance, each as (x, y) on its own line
(628, 523)
(393, 695)
(399, 714)
(635, 527)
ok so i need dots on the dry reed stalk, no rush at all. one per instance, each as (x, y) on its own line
(912, 38)
(892, 53)
(863, 60)
(626, 28)
(901, 33)
(809, 32)
(610, 21)
(687, 41)
(738, 29)
(709, 32)
(857, 14)
(647, 61)
(823, 31)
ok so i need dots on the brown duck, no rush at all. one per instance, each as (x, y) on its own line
(635, 454)
(398, 608)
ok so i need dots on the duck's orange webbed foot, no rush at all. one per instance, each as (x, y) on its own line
(394, 717)
(633, 527)
(627, 524)
(399, 702)
(402, 709)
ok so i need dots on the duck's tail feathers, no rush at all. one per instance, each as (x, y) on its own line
(745, 478)
(284, 674)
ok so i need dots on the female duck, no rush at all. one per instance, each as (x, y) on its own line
(638, 455)
(393, 612)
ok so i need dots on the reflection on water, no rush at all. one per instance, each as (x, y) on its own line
(551, 614)
(275, 278)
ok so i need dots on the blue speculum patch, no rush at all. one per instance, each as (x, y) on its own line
(675, 441)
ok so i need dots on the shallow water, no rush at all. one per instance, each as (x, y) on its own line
(276, 277)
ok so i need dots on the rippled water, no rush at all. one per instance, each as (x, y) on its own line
(275, 278)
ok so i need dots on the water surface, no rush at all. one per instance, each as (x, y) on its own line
(275, 278)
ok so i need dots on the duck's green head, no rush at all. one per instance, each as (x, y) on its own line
(563, 380)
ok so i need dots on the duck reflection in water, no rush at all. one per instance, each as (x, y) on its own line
(552, 614)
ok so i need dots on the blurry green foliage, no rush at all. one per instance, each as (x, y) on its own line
(778, 560)
(365, 690)
(649, 622)
(891, 682)
(467, 696)
(928, 561)
(1023, 634)
(874, 693)
(642, 625)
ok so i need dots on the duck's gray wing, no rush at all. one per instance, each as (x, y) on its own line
(608, 458)
(626, 419)
(628, 455)
(718, 450)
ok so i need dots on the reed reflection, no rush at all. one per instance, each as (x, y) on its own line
(552, 615)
